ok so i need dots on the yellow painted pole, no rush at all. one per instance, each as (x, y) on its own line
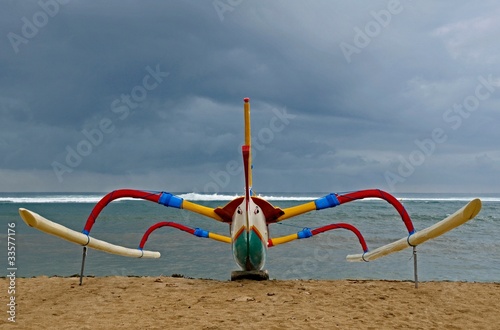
(220, 238)
(200, 209)
(297, 210)
(248, 137)
(284, 239)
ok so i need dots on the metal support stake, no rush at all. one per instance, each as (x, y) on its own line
(84, 254)
(415, 266)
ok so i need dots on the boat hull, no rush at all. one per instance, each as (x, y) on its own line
(249, 236)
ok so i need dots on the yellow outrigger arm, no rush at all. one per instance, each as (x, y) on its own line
(294, 211)
(200, 209)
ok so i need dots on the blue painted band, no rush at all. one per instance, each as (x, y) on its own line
(304, 233)
(168, 199)
(326, 202)
(85, 232)
(408, 240)
(201, 233)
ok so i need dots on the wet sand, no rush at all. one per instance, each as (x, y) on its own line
(180, 303)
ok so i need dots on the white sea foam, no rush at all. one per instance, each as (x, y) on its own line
(49, 199)
(450, 199)
(94, 198)
(207, 197)
(53, 199)
(223, 197)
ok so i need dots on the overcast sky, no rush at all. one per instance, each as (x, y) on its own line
(398, 95)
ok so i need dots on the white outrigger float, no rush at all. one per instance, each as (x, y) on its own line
(249, 217)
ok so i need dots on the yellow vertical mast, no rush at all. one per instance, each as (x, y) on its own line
(248, 138)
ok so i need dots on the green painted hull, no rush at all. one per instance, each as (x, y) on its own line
(249, 251)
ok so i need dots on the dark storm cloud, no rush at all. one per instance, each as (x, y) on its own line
(103, 95)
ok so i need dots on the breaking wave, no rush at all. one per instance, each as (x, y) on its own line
(93, 198)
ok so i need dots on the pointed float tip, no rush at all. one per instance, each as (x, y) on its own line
(246, 99)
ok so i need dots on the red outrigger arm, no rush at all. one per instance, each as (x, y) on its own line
(163, 198)
(307, 232)
(164, 224)
(304, 233)
(377, 193)
(332, 200)
(342, 226)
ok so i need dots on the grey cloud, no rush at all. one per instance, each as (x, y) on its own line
(354, 121)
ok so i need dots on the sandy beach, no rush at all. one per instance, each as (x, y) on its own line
(180, 303)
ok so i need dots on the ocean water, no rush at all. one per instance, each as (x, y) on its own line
(470, 252)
